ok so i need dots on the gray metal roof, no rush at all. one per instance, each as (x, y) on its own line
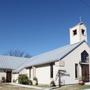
(51, 56)
(10, 62)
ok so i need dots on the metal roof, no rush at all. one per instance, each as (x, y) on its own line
(48, 57)
(10, 62)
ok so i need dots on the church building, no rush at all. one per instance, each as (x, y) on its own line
(68, 64)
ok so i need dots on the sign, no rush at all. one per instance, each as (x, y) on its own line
(60, 64)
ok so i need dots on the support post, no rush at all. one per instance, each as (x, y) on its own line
(34, 72)
(59, 78)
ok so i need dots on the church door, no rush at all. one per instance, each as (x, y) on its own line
(85, 72)
(8, 76)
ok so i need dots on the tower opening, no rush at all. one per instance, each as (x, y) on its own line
(78, 33)
(74, 32)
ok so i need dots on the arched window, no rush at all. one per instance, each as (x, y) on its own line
(83, 32)
(84, 56)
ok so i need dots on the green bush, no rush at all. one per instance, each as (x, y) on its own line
(30, 82)
(23, 79)
(52, 84)
(3, 80)
(15, 80)
(35, 79)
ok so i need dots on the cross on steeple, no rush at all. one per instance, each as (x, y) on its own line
(81, 22)
(80, 19)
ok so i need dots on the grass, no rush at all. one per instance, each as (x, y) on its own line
(12, 87)
(86, 87)
(74, 87)
(43, 85)
(67, 87)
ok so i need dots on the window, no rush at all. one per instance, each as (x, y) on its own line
(51, 70)
(76, 70)
(83, 31)
(74, 32)
(84, 57)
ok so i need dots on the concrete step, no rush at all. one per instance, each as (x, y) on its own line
(88, 83)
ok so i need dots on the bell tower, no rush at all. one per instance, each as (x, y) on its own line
(78, 33)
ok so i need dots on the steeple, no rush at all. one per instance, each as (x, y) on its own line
(78, 33)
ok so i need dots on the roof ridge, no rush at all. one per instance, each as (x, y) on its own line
(49, 55)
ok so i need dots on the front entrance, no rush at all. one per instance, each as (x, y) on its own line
(85, 72)
(8, 76)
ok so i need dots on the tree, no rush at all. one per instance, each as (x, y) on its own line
(18, 53)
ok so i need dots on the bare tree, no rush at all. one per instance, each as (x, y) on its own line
(18, 53)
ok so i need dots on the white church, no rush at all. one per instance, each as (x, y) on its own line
(72, 59)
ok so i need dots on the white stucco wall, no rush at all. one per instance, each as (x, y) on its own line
(15, 78)
(43, 75)
(2, 74)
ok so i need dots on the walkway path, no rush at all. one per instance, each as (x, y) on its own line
(27, 86)
(34, 87)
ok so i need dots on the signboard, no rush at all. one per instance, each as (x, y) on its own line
(60, 64)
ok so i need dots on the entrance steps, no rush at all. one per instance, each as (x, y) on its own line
(87, 83)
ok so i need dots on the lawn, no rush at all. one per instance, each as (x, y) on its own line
(68, 87)
(74, 87)
(12, 87)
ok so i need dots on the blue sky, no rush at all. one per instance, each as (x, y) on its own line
(37, 26)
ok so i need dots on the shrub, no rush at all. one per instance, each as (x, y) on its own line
(23, 79)
(30, 82)
(81, 82)
(3, 79)
(15, 80)
(36, 80)
(52, 83)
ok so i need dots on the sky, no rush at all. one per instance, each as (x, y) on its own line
(37, 26)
